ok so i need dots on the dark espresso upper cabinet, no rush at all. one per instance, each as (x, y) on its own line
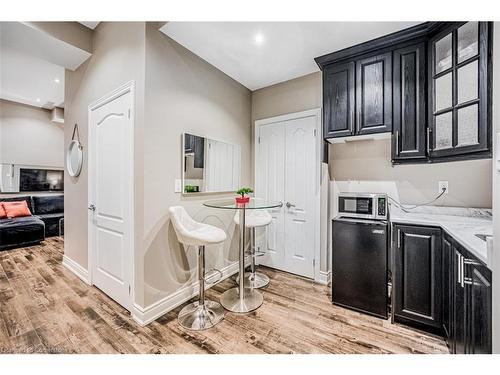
(374, 94)
(409, 99)
(195, 145)
(458, 90)
(339, 100)
(430, 85)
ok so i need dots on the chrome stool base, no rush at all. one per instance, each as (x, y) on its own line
(198, 317)
(255, 280)
(231, 301)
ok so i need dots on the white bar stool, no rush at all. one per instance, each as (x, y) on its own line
(202, 314)
(254, 219)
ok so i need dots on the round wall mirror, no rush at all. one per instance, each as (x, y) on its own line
(74, 158)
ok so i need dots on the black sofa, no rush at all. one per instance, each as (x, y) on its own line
(47, 210)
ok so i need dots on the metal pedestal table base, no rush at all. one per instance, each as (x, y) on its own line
(199, 317)
(255, 280)
(231, 301)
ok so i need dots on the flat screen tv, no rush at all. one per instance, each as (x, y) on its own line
(41, 180)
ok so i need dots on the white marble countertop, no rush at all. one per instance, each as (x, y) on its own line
(460, 223)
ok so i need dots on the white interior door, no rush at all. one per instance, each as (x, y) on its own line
(111, 193)
(300, 183)
(270, 182)
(286, 172)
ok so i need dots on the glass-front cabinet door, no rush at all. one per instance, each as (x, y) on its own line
(458, 92)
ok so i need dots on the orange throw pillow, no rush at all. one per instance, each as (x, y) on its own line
(3, 214)
(16, 209)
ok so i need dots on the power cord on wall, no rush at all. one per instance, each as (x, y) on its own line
(406, 209)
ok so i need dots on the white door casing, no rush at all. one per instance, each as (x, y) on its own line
(111, 182)
(287, 160)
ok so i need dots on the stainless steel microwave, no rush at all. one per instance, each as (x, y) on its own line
(363, 205)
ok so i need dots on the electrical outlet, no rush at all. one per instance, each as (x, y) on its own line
(443, 185)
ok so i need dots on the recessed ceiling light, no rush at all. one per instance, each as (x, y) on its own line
(57, 80)
(38, 100)
(258, 38)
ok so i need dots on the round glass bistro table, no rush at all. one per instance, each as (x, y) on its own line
(241, 299)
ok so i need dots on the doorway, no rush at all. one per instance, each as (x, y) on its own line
(287, 170)
(111, 194)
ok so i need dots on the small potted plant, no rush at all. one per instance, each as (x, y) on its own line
(243, 191)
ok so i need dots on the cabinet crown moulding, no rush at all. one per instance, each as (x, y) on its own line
(422, 30)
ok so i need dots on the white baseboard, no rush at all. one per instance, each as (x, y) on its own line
(78, 270)
(324, 278)
(146, 315)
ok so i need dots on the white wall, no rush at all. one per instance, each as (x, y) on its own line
(28, 137)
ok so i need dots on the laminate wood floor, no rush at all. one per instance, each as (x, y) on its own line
(44, 308)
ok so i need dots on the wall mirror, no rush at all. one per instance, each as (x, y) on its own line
(209, 166)
(74, 158)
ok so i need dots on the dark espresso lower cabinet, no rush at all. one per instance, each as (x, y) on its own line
(417, 277)
(480, 310)
(441, 287)
(471, 305)
(447, 283)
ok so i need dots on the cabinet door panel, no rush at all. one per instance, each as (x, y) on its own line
(459, 324)
(338, 101)
(480, 311)
(409, 103)
(447, 276)
(374, 94)
(418, 276)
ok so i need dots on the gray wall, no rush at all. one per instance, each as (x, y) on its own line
(184, 94)
(118, 57)
(28, 137)
(469, 181)
(175, 92)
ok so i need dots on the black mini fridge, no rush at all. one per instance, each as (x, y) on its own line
(359, 265)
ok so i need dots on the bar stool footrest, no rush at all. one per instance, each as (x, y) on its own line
(257, 254)
(210, 273)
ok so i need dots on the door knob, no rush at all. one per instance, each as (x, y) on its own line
(92, 207)
(288, 205)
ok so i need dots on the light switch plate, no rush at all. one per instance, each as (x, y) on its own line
(178, 185)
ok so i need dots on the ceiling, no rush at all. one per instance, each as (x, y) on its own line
(30, 80)
(260, 54)
(24, 38)
(32, 65)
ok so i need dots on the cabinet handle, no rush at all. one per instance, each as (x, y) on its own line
(468, 281)
(397, 142)
(462, 271)
(399, 238)
(472, 262)
(459, 269)
(428, 140)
